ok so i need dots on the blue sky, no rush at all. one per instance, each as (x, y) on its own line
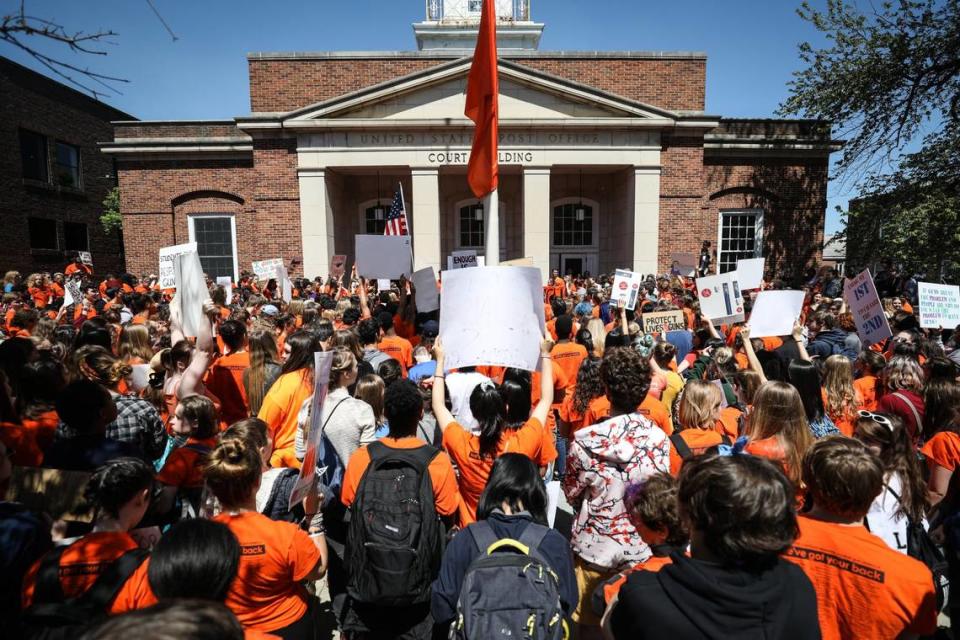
(751, 45)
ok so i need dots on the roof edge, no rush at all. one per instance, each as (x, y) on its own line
(459, 53)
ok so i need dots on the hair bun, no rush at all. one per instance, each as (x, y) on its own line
(234, 450)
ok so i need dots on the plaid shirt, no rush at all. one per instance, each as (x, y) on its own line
(137, 422)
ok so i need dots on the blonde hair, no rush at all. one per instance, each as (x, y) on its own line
(778, 413)
(262, 345)
(598, 333)
(10, 277)
(233, 471)
(838, 384)
(135, 343)
(343, 362)
(700, 405)
(97, 364)
(35, 279)
(295, 308)
(370, 389)
(903, 373)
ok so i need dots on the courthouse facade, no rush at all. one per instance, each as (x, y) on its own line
(607, 159)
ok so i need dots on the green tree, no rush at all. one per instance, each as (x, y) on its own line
(111, 218)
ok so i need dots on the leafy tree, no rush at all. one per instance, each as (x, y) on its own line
(111, 218)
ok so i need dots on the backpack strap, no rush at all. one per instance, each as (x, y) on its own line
(47, 587)
(199, 448)
(681, 446)
(483, 535)
(109, 583)
(913, 409)
(532, 536)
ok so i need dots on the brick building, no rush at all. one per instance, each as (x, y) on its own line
(607, 159)
(53, 178)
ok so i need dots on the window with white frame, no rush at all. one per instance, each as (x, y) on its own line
(474, 6)
(740, 237)
(375, 218)
(216, 238)
(471, 227)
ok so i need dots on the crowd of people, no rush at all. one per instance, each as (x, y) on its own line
(720, 485)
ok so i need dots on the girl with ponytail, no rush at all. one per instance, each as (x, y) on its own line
(474, 454)
(276, 557)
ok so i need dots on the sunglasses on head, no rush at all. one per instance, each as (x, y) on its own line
(876, 417)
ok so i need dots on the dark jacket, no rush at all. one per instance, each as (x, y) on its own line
(695, 599)
(830, 342)
(462, 550)
(87, 453)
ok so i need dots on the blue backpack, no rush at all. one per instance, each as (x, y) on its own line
(330, 467)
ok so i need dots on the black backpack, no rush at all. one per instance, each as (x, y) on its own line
(394, 538)
(685, 452)
(53, 616)
(509, 590)
(921, 547)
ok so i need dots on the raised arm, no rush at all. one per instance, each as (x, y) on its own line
(798, 337)
(542, 410)
(364, 305)
(440, 411)
(202, 355)
(751, 354)
(176, 323)
(712, 329)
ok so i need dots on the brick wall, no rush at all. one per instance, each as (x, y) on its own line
(35, 103)
(290, 84)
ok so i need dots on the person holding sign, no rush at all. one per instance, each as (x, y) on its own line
(78, 267)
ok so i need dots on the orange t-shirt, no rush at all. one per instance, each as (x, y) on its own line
(864, 588)
(43, 427)
(279, 410)
(568, 412)
(695, 439)
(442, 476)
(274, 558)
(82, 563)
(611, 588)
(599, 410)
(729, 422)
(184, 465)
(464, 449)
(225, 380)
(772, 343)
(23, 443)
(73, 268)
(844, 422)
(943, 449)
(135, 592)
(568, 356)
(866, 388)
(399, 349)
(40, 295)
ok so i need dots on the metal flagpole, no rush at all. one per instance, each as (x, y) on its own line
(406, 221)
(491, 209)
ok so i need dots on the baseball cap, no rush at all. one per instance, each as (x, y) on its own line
(269, 310)
(430, 329)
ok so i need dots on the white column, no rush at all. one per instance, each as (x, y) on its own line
(646, 219)
(426, 218)
(491, 226)
(536, 218)
(316, 222)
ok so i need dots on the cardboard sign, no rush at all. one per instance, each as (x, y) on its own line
(322, 361)
(626, 289)
(227, 283)
(86, 258)
(750, 273)
(663, 321)
(168, 279)
(939, 305)
(383, 257)
(338, 265)
(683, 264)
(427, 295)
(462, 259)
(474, 324)
(721, 298)
(774, 313)
(268, 269)
(861, 294)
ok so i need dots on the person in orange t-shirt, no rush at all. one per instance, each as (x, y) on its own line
(599, 410)
(120, 493)
(195, 418)
(77, 266)
(864, 588)
(474, 455)
(698, 416)
(567, 355)
(869, 387)
(225, 376)
(393, 345)
(276, 557)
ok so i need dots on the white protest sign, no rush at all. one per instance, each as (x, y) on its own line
(462, 259)
(71, 293)
(425, 284)
(286, 284)
(861, 294)
(338, 265)
(939, 305)
(492, 316)
(720, 298)
(626, 288)
(168, 279)
(383, 284)
(267, 269)
(322, 361)
(86, 258)
(227, 284)
(750, 273)
(774, 313)
(191, 291)
(683, 264)
(480, 263)
(386, 257)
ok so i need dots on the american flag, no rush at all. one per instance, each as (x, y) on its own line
(397, 218)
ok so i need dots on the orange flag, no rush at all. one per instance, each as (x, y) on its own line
(482, 91)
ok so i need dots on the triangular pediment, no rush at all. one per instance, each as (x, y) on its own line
(440, 94)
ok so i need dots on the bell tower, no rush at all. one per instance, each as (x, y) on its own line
(453, 25)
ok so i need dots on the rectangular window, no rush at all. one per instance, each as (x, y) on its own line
(33, 155)
(68, 165)
(216, 243)
(471, 228)
(474, 6)
(43, 234)
(741, 237)
(75, 236)
(573, 225)
(375, 219)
